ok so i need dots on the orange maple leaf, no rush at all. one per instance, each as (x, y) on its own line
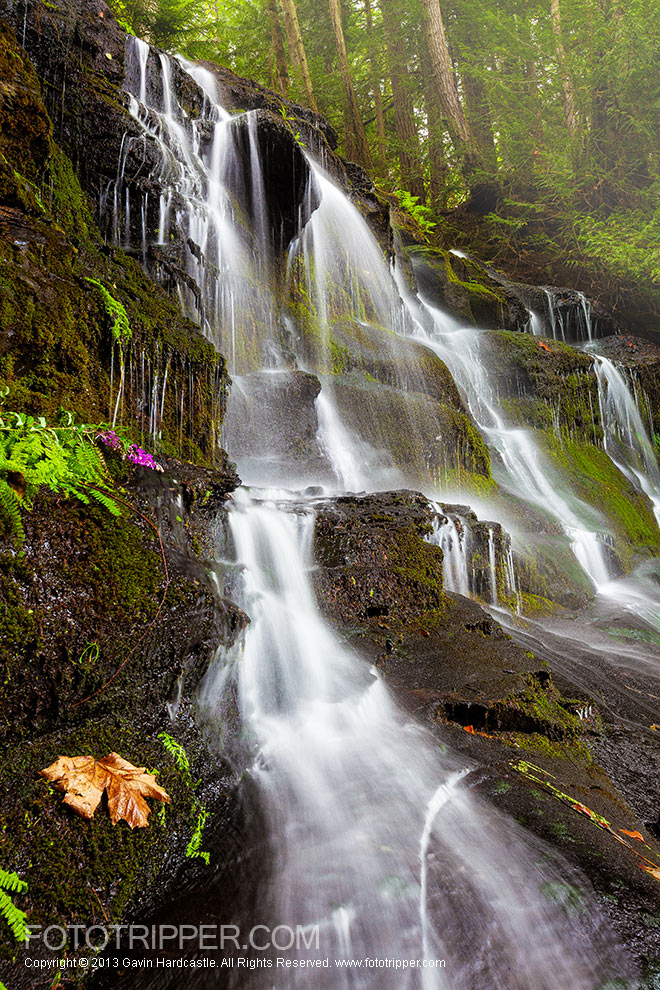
(83, 779)
(633, 835)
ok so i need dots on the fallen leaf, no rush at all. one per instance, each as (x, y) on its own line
(84, 779)
(633, 835)
(127, 788)
(469, 728)
(653, 870)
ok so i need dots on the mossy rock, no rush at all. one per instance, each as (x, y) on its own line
(56, 346)
(465, 289)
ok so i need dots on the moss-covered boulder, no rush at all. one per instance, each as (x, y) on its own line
(466, 289)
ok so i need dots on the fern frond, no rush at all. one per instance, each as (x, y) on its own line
(106, 501)
(10, 511)
(176, 750)
(11, 915)
(12, 882)
(194, 850)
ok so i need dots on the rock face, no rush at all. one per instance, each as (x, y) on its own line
(104, 638)
(467, 290)
(56, 341)
(381, 582)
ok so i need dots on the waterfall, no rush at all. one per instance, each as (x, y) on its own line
(450, 536)
(207, 208)
(379, 845)
(492, 569)
(520, 465)
(626, 439)
(568, 319)
(377, 840)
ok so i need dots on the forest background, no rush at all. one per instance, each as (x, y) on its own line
(527, 132)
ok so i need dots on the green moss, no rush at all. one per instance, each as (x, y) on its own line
(574, 751)
(73, 861)
(19, 631)
(596, 480)
(419, 566)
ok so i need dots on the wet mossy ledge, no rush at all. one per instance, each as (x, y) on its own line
(56, 344)
(380, 582)
(96, 643)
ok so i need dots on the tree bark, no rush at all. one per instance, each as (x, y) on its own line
(356, 143)
(281, 71)
(379, 112)
(408, 150)
(297, 50)
(566, 82)
(443, 76)
(436, 128)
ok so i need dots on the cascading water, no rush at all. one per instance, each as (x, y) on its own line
(625, 437)
(451, 539)
(377, 842)
(519, 466)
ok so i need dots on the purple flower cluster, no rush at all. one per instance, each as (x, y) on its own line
(136, 455)
(110, 439)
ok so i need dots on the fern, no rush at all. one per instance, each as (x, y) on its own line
(64, 459)
(176, 750)
(13, 916)
(10, 510)
(193, 850)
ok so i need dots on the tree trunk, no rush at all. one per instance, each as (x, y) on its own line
(297, 49)
(358, 146)
(281, 72)
(436, 128)
(379, 113)
(404, 120)
(566, 81)
(443, 77)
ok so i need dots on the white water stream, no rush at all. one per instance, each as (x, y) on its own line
(377, 842)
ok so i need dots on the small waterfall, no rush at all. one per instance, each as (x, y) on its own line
(207, 206)
(378, 841)
(520, 465)
(535, 326)
(492, 566)
(569, 317)
(511, 580)
(625, 437)
(450, 536)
